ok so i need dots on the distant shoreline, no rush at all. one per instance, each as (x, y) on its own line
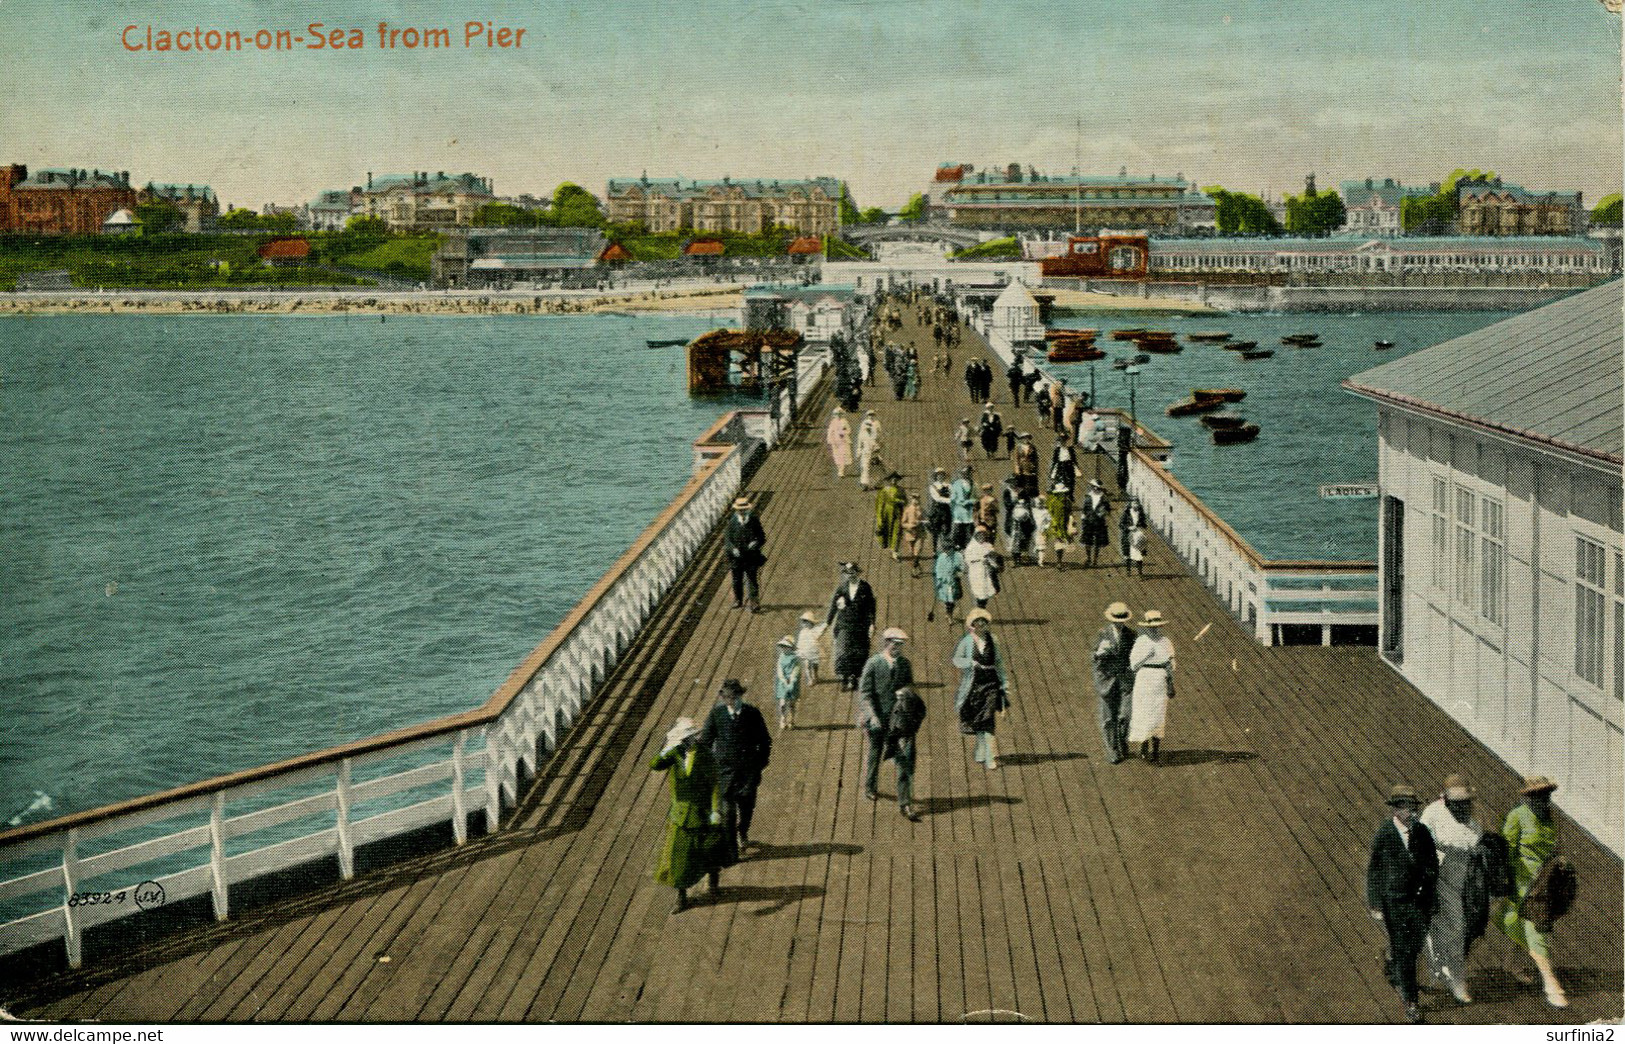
(678, 301)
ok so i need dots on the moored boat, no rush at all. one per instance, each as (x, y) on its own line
(1059, 335)
(1074, 351)
(1161, 347)
(1129, 334)
(1207, 335)
(1302, 340)
(1233, 436)
(1222, 394)
(1241, 346)
(1258, 353)
(1382, 345)
(1223, 420)
(1192, 406)
(666, 342)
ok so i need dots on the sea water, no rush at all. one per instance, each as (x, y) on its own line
(229, 540)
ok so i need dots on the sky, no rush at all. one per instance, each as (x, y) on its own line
(1249, 94)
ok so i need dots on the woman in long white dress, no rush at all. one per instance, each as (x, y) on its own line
(980, 567)
(838, 436)
(868, 445)
(1152, 661)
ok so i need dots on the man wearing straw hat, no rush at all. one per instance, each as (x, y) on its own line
(1399, 890)
(887, 671)
(1114, 679)
(743, 541)
(690, 849)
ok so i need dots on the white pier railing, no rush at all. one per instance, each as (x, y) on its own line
(62, 877)
(1268, 595)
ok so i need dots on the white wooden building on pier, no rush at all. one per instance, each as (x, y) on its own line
(1502, 561)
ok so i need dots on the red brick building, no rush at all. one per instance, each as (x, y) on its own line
(61, 202)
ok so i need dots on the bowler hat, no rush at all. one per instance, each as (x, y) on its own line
(731, 687)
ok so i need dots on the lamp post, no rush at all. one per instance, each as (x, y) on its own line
(1131, 372)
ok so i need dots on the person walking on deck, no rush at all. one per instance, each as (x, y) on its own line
(1527, 919)
(1021, 529)
(987, 509)
(838, 437)
(911, 376)
(693, 825)
(984, 686)
(738, 739)
(1132, 538)
(889, 504)
(787, 682)
(971, 382)
(964, 439)
(1114, 679)
(946, 571)
(851, 618)
(1025, 464)
(1094, 510)
(939, 509)
(1063, 462)
(963, 507)
(1399, 888)
(982, 565)
(1041, 528)
(807, 648)
(990, 427)
(885, 672)
(1462, 889)
(1016, 378)
(868, 447)
(1152, 660)
(907, 715)
(1062, 526)
(912, 528)
(742, 541)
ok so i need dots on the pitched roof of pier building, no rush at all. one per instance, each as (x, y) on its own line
(1551, 375)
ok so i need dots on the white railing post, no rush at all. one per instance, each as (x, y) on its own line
(217, 853)
(70, 885)
(493, 784)
(459, 814)
(346, 839)
(1261, 619)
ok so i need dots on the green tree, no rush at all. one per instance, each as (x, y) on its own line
(1435, 215)
(504, 215)
(278, 222)
(240, 220)
(157, 218)
(1608, 211)
(366, 225)
(1238, 214)
(1314, 213)
(849, 210)
(575, 207)
(873, 216)
(914, 209)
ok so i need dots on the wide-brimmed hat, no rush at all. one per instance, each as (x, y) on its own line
(1537, 785)
(731, 687)
(1060, 487)
(1456, 788)
(741, 503)
(1152, 618)
(1403, 794)
(893, 634)
(1095, 484)
(978, 614)
(838, 410)
(682, 730)
(988, 405)
(1025, 435)
(938, 471)
(787, 642)
(1118, 612)
(809, 616)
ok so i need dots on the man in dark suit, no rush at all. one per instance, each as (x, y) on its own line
(743, 541)
(737, 737)
(1114, 679)
(1399, 884)
(887, 671)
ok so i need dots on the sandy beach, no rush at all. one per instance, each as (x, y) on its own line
(1068, 302)
(687, 301)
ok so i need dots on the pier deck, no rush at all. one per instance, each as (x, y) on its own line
(1226, 885)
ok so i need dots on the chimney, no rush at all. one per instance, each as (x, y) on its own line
(1369, 185)
(1309, 185)
(369, 179)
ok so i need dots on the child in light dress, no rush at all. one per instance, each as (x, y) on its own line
(787, 682)
(1041, 526)
(807, 646)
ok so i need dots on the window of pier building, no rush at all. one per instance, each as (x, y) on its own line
(1590, 610)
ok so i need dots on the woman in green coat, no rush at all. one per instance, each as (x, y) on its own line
(692, 835)
(1531, 836)
(889, 514)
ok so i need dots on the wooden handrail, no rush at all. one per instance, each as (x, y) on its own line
(483, 715)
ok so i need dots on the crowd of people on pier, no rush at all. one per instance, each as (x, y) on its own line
(1434, 881)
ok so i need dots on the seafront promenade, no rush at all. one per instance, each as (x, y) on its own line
(1225, 885)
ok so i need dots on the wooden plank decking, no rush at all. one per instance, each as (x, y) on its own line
(1224, 886)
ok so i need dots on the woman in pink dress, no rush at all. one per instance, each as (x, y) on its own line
(838, 436)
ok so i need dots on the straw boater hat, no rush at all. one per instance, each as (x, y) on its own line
(787, 642)
(741, 503)
(1061, 487)
(1537, 785)
(1117, 612)
(1456, 788)
(681, 731)
(893, 634)
(978, 614)
(810, 616)
(1152, 618)
(1401, 794)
